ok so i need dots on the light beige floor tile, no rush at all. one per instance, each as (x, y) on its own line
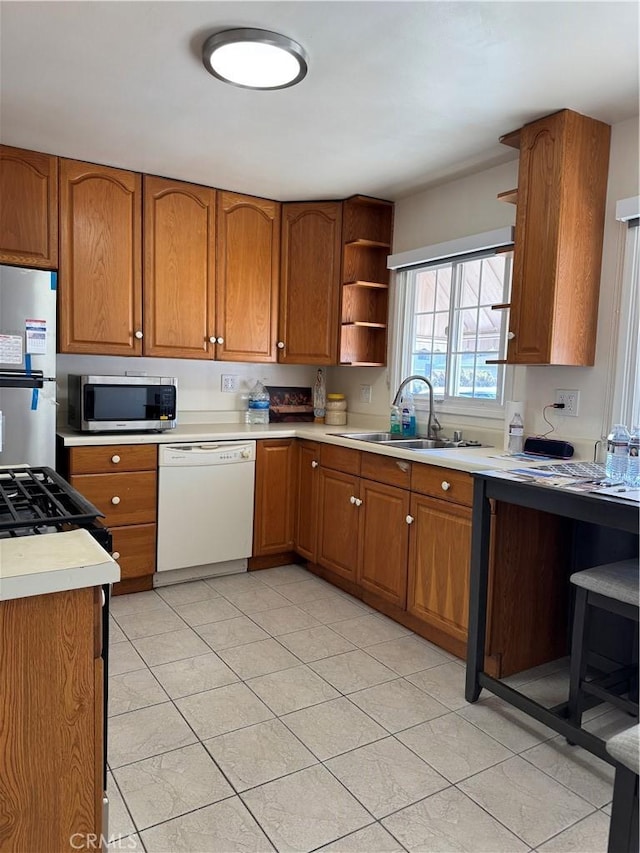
(120, 823)
(284, 575)
(132, 844)
(223, 710)
(284, 620)
(550, 690)
(590, 835)
(116, 634)
(519, 678)
(135, 602)
(577, 769)
(168, 785)
(302, 811)
(124, 658)
(208, 610)
(257, 754)
(176, 645)
(132, 690)
(407, 655)
(511, 727)
(292, 689)
(225, 827)
(352, 671)
(609, 724)
(149, 731)
(386, 776)
(367, 630)
(333, 727)
(150, 623)
(334, 608)
(607, 809)
(258, 658)
(307, 590)
(231, 586)
(450, 821)
(186, 593)
(454, 747)
(259, 599)
(371, 839)
(526, 800)
(445, 683)
(398, 704)
(194, 675)
(316, 643)
(231, 632)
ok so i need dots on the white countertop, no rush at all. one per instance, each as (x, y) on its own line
(461, 459)
(53, 562)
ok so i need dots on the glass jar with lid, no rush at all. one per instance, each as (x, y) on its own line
(336, 410)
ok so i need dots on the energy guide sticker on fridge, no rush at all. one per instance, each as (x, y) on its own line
(36, 331)
(10, 349)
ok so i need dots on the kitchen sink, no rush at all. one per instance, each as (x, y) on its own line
(378, 437)
(389, 439)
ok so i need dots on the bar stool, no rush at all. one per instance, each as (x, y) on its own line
(613, 588)
(623, 831)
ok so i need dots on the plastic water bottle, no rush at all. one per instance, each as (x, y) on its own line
(633, 462)
(408, 417)
(516, 434)
(258, 408)
(617, 454)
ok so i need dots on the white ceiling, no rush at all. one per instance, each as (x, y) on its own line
(399, 95)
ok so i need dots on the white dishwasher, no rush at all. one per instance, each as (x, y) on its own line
(205, 508)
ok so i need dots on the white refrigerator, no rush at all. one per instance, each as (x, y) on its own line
(27, 366)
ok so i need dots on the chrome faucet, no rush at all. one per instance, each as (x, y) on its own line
(433, 424)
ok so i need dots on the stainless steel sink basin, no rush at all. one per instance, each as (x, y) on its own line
(417, 443)
(378, 437)
(389, 439)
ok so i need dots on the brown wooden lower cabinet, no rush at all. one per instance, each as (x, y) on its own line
(274, 496)
(51, 747)
(338, 522)
(306, 504)
(134, 549)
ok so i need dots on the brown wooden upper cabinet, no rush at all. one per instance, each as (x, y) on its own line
(248, 265)
(28, 208)
(179, 269)
(310, 282)
(562, 184)
(100, 282)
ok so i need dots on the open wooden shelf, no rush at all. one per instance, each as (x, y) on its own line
(376, 285)
(366, 324)
(510, 196)
(362, 243)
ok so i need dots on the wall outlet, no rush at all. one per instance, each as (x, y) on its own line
(571, 400)
(228, 383)
(365, 393)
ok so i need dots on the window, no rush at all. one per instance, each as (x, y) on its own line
(626, 403)
(450, 328)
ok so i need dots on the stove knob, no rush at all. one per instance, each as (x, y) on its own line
(115, 500)
(116, 555)
(115, 459)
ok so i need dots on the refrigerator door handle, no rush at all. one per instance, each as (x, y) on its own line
(21, 378)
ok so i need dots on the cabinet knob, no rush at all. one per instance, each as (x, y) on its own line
(115, 459)
(115, 500)
(352, 499)
(511, 335)
(115, 555)
(280, 344)
(409, 519)
(314, 464)
(213, 339)
(358, 501)
(138, 335)
(445, 486)
(219, 340)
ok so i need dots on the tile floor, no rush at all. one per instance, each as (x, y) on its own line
(270, 711)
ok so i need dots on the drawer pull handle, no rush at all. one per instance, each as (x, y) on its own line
(115, 500)
(116, 555)
(445, 486)
(409, 519)
(138, 335)
(314, 464)
(115, 459)
(358, 501)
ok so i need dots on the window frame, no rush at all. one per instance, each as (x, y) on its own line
(625, 406)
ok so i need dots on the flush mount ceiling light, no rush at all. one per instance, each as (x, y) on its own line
(254, 59)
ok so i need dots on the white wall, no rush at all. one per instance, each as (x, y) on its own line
(469, 206)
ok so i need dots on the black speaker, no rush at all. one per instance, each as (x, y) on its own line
(548, 447)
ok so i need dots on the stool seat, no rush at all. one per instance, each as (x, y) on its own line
(625, 748)
(623, 830)
(614, 580)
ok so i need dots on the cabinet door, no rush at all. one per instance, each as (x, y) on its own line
(179, 269)
(29, 209)
(439, 553)
(339, 522)
(248, 265)
(384, 541)
(135, 547)
(100, 282)
(306, 512)
(310, 283)
(273, 513)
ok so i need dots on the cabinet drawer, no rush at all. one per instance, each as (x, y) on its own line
(383, 469)
(128, 498)
(340, 459)
(136, 549)
(114, 457)
(444, 483)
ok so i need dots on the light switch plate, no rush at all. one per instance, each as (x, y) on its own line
(365, 393)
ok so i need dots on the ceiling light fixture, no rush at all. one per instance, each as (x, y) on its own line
(254, 59)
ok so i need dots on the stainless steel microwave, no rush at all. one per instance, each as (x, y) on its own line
(122, 403)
